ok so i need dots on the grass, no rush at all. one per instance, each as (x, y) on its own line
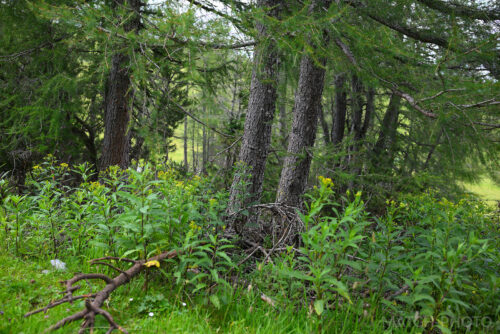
(486, 190)
(24, 287)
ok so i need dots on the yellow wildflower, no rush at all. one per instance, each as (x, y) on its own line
(152, 263)
(326, 181)
(64, 165)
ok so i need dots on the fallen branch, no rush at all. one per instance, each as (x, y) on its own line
(94, 302)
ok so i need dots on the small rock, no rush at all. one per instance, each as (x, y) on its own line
(58, 264)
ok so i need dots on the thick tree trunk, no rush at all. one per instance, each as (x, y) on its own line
(306, 110)
(258, 122)
(303, 134)
(340, 110)
(116, 145)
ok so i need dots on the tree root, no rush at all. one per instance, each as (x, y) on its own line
(94, 301)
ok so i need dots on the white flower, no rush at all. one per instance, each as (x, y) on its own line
(131, 300)
(151, 314)
(183, 304)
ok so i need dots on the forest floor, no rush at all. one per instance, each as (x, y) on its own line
(29, 284)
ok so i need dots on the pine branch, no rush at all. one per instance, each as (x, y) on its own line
(454, 8)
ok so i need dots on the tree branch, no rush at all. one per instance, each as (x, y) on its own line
(453, 8)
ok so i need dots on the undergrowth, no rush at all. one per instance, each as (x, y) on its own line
(426, 265)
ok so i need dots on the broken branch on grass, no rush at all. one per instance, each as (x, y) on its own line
(94, 302)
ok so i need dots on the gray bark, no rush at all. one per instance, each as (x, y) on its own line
(282, 108)
(258, 123)
(116, 146)
(186, 163)
(370, 111)
(357, 108)
(303, 134)
(388, 131)
(340, 110)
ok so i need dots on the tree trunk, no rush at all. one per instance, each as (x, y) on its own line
(258, 122)
(194, 163)
(204, 147)
(186, 163)
(324, 125)
(282, 108)
(116, 146)
(357, 109)
(388, 131)
(370, 111)
(340, 111)
(303, 134)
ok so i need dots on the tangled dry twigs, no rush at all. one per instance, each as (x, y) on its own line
(94, 301)
(279, 221)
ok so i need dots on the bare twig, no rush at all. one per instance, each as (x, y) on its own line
(94, 302)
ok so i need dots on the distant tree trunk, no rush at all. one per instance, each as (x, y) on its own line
(324, 125)
(388, 132)
(357, 121)
(357, 108)
(431, 151)
(204, 147)
(340, 110)
(303, 133)
(370, 111)
(194, 163)
(259, 117)
(186, 163)
(116, 146)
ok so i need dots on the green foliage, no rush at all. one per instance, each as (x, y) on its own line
(429, 263)
(128, 214)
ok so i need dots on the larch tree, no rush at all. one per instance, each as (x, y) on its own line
(260, 114)
(306, 110)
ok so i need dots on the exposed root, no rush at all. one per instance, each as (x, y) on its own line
(277, 220)
(94, 301)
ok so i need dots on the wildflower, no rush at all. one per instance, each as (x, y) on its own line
(64, 165)
(358, 194)
(151, 314)
(131, 299)
(152, 263)
(183, 304)
(326, 181)
(36, 167)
